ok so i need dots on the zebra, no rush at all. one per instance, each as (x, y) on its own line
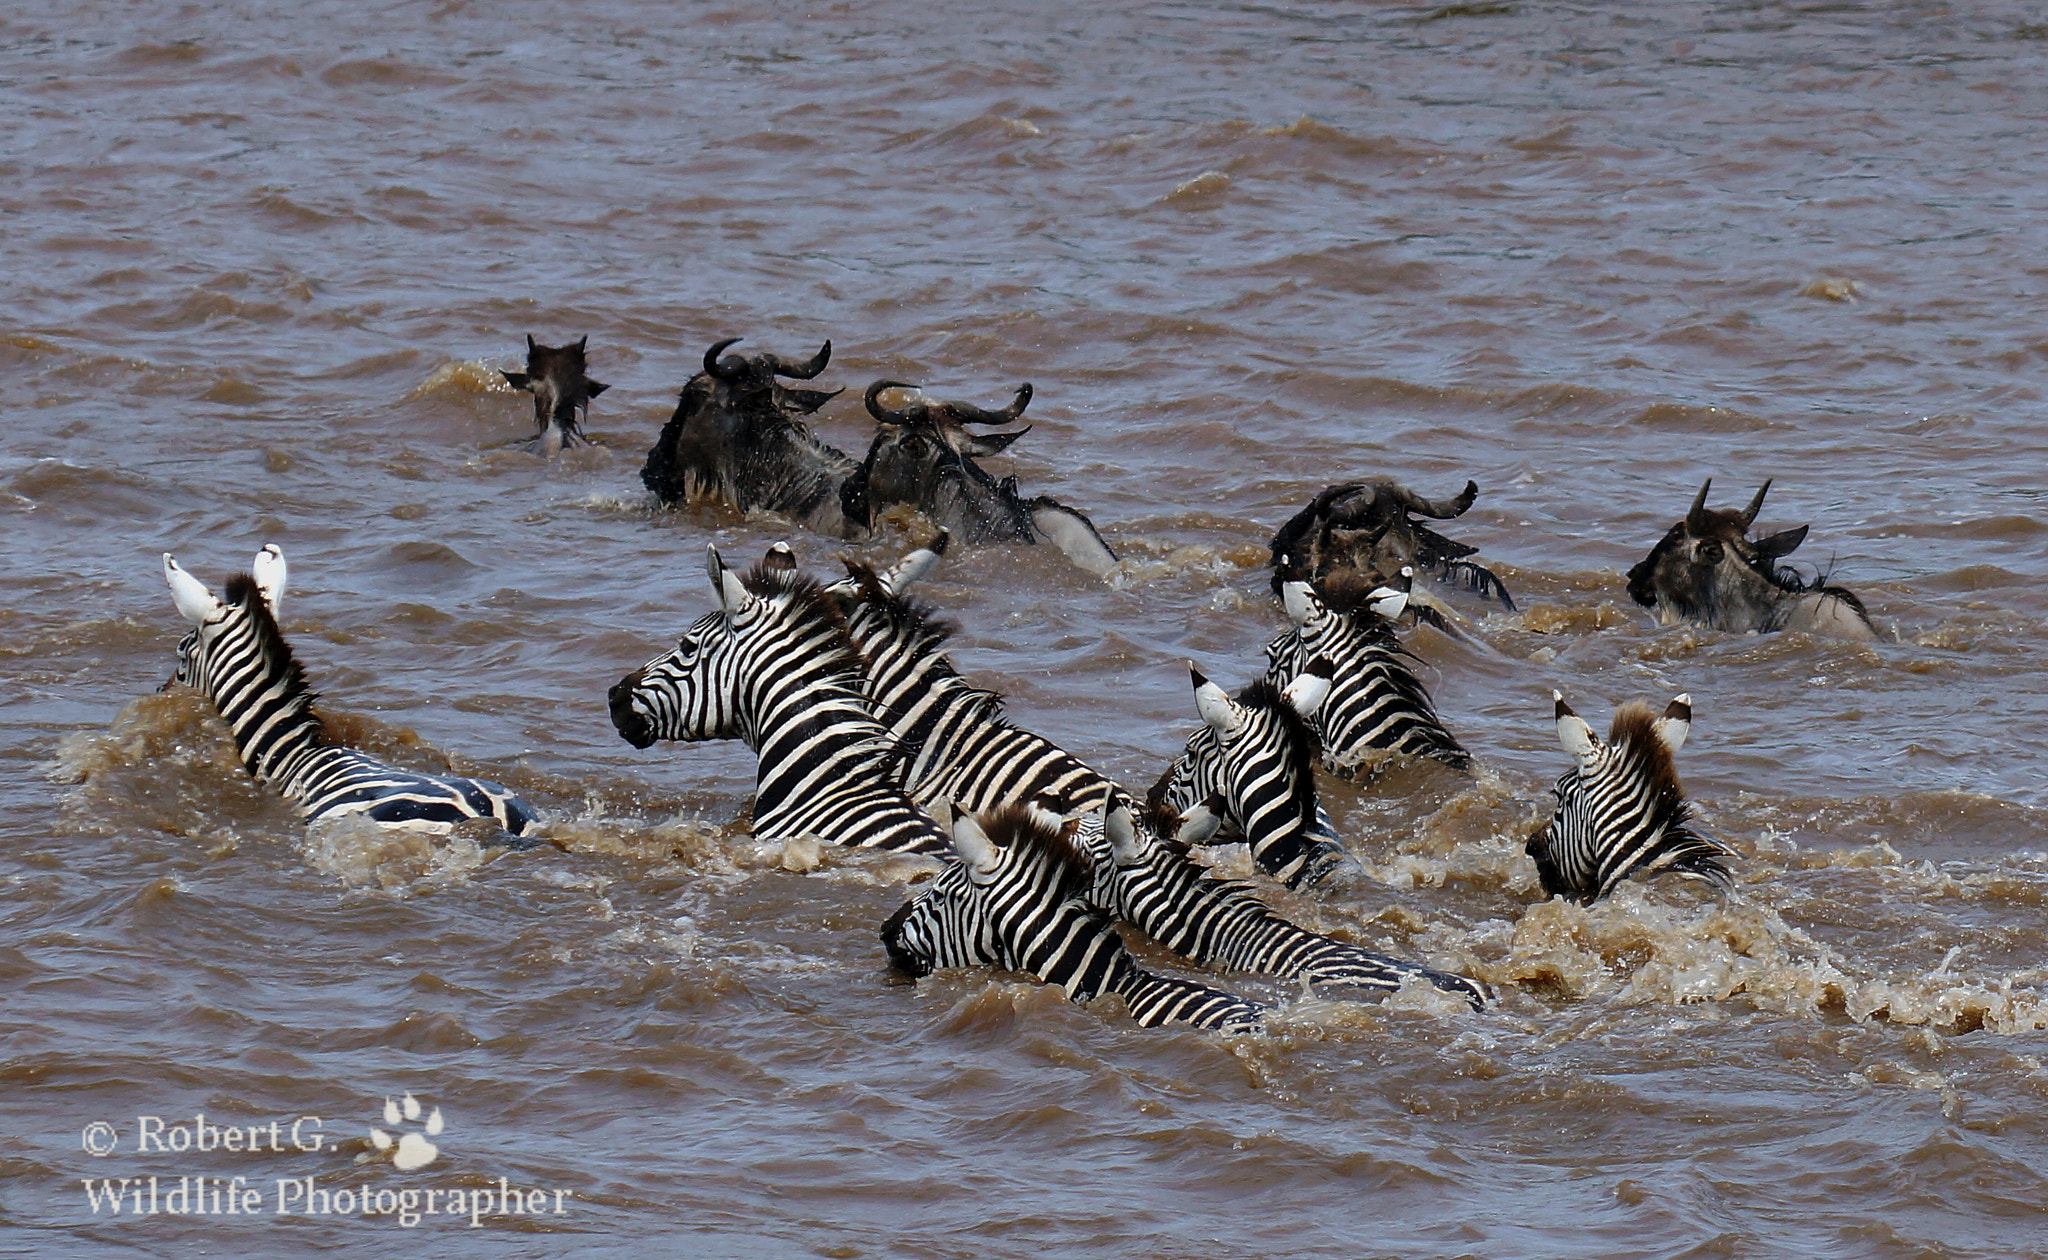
(1621, 813)
(238, 658)
(774, 667)
(1257, 755)
(1153, 881)
(1016, 899)
(1375, 700)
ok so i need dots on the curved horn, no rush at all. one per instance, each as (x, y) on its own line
(711, 359)
(1756, 504)
(1436, 511)
(804, 371)
(976, 415)
(1696, 515)
(878, 411)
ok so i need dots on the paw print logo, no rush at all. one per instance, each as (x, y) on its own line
(414, 1148)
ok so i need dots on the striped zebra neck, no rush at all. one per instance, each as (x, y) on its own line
(246, 668)
(1183, 906)
(1375, 700)
(1622, 814)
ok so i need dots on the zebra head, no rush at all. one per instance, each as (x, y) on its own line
(1375, 700)
(1620, 810)
(1013, 900)
(1256, 756)
(773, 641)
(203, 609)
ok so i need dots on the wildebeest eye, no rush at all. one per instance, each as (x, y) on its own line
(1709, 552)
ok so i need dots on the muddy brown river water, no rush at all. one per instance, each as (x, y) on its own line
(263, 265)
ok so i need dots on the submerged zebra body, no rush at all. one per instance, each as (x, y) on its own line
(1375, 700)
(1621, 813)
(1256, 756)
(1198, 915)
(236, 655)
(774, 667)
(1016, 900)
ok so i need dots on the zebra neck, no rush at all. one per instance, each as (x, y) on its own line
(276, 733)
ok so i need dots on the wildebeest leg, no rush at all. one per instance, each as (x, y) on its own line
(1073, 534)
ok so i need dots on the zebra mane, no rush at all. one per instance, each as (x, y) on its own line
(923, 633)
(806, 598)
(1645, 758)
(1304, 746)
(242, 592)
(1018, 828)
(1160, 819)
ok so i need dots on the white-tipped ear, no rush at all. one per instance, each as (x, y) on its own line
(269, 571)
(732, 593)
(1199, 824)
(1573, 734)
(1214, 704)
(1676, 723)
(714, 565)
(194, 601)
(1122, 830)
(911, 569)
(1299, 598)
(1310, 687)
(974, 847)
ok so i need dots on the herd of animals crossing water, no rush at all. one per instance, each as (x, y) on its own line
(867, 735)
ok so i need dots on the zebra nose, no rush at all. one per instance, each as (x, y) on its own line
(631, 723)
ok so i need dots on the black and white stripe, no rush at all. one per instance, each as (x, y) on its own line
(1256, 755)
(1200, 916)
(237, 656)
(773, 667)
(1016, 900)
(1375, 701)
(1621, 813)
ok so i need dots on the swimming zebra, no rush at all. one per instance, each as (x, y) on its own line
(236, 655)
(1621, 813)
(1256, 755)
(1198, 915)
(955, 740)
(1375, 699)
(774, 667)
(1016, 900)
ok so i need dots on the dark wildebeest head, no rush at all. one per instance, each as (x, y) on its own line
(561, 392)
(738, 437)
(923, 455)
(1706, 569)
(1361, 533)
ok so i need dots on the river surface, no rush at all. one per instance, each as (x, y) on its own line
(262, 268)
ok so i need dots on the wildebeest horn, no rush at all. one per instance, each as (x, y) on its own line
(711, 359)
(975, 415)
(1756, 504)
(804, 371)
(1696, 515)
(878, 411)
(1458, 506)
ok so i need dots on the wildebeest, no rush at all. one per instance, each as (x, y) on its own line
(561, 392)
(738, 437)
(923, 455)
(1706, 569)
(1361, 533)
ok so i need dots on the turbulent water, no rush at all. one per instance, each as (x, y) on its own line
(263, 266)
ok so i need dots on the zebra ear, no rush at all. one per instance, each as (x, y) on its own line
(1573, 733)
(1676, 723)
(269, 571)
(1200, 823)
(190, 594)
(1213, 703)
(1391, 600)
(974, 847)
(781, 559)
(912, 568)
(1301, 603)
(1310, 687)
(732, 593)
(1122, 830)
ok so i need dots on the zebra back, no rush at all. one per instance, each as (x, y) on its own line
(238, 657)
(1015, 900)
(774, 667)
(1375, 701)
(1257, 756)
(1620, 810)
(1152, 882)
